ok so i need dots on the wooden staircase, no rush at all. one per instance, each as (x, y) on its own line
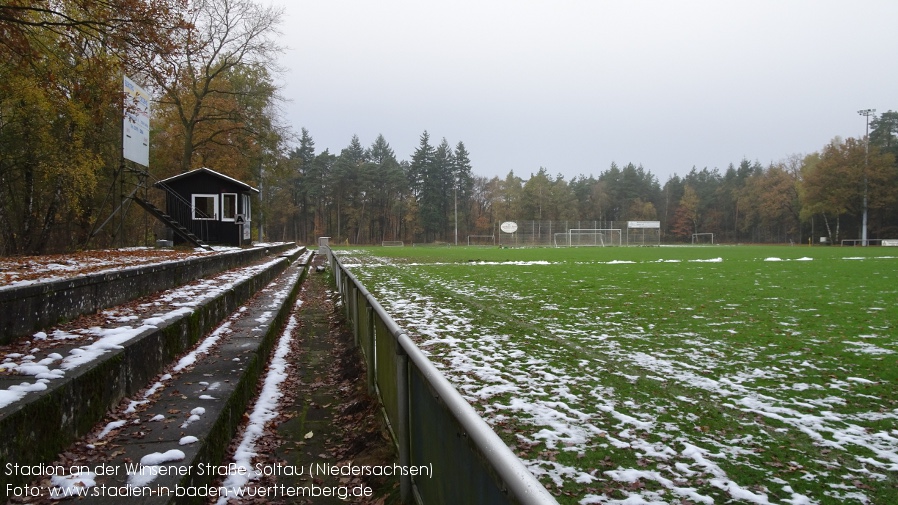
(177, 227)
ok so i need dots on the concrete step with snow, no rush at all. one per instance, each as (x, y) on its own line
(27, 307)
(56, 392)
(170, 438)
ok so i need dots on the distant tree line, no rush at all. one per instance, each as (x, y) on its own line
(210, 67)
(364, 196)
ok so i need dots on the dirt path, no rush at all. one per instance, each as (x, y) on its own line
(330, 420)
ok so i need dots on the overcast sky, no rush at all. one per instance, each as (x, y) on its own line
(573, 86)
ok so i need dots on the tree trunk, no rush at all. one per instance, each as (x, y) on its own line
(187, 151)
(10, 245)
(49, 220)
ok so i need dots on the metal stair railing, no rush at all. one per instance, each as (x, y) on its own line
(176, 227)
(179, 212)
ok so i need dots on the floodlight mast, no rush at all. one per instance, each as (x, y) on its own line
(455, 199)
(866, 113)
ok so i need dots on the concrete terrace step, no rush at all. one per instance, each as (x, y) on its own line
(29, 308)
(180, 425)
(47, 401)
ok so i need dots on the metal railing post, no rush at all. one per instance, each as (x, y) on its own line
(354, 313)
(345, 295)
(372, 373)
(402, 431)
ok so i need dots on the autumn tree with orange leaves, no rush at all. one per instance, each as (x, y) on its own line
(685, 220)
(836, 180)
(61, 66)
(216, 91)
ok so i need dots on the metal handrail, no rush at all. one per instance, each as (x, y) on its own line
(513, 482)
(182, 211)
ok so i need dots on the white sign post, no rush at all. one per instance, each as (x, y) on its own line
(643, 226)
(507, 227)
(136, 125)
(240, 221)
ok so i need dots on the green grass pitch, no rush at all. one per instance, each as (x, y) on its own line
(667, 375)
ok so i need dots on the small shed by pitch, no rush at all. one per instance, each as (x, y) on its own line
(214, 207)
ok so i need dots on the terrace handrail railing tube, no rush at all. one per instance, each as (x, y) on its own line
(511, 481)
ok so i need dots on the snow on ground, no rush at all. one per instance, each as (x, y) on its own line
(19, 271)
(22, 271)
(264, 411)
(571, 389)
(150, 463)
(69, 484)
(150, 467)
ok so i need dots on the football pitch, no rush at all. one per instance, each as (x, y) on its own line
(716, 374)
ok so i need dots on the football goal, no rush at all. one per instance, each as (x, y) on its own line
(703, 238)
(561, 240)
(481, 240)
(392, 243)
(591, 237)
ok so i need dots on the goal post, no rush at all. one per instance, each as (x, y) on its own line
(392, 243)
(594, 237)
(703, 238)
(561, 239)
(481, 240)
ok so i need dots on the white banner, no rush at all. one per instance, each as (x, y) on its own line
(136, 138)
(509, 227)
(643, 224)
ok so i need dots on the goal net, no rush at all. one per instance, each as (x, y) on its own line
(392, 243)
(703, 238)
(481, 240)
(590, 237)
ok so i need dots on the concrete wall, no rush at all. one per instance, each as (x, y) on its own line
(44, 423)
(31, 308)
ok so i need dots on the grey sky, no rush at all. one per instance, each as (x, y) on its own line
(574, 85)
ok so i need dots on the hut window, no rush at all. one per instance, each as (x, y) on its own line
(228, 206)
(204, 206)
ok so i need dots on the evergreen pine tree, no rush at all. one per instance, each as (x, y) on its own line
(423, 188)
(464, 187)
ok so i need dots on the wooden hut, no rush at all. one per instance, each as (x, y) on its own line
(212, 206)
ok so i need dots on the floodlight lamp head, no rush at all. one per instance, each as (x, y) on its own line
(866, 112)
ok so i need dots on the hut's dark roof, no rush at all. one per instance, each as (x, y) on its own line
(241, 184)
